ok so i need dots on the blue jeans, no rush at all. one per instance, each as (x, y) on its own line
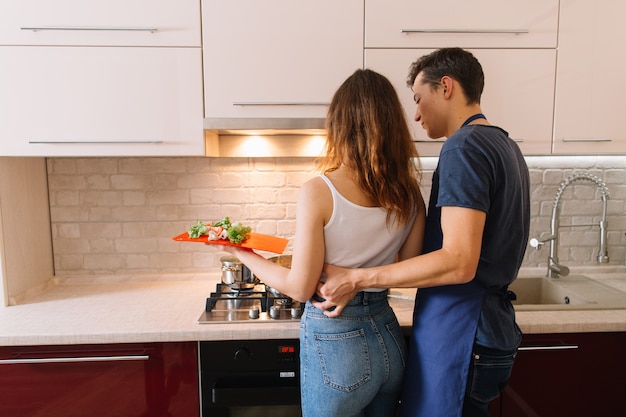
(352, 365)
(488, 375)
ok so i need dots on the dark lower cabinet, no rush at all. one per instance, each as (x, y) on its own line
(129, 380)
(567, 375)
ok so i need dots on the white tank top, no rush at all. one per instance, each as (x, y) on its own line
(358, 236)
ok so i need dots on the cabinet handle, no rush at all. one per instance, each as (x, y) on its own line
(555, 347)
(587, 140)
(104, 29)
(266, 103)
(97, 142)
(496, 31)
(75, 359)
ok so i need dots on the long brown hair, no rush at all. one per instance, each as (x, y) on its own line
(368, 134)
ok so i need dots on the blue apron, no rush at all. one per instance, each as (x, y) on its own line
(445, 320)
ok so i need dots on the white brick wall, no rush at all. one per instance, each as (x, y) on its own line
(118, 215)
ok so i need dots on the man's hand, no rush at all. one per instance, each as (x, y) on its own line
(335, 289)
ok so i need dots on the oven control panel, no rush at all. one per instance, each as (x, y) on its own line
(232, 355)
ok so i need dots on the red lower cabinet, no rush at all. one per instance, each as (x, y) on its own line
(129, 380)
(568, 375)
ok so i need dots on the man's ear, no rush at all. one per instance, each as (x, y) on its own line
(447, 84)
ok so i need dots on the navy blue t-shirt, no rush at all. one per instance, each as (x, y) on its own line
(481, 168)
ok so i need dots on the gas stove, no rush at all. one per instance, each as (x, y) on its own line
(257, 304)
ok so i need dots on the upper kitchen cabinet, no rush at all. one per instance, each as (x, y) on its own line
(278, 58)
(590, 86)
(514, 41)
(467, 24)
(114, 78)
(518, 94)
(100, 22)
(105, 101)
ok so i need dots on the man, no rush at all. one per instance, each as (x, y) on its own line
(464, 337)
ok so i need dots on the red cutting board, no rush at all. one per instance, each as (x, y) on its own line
(255, 241)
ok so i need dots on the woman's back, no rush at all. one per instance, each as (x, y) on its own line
(357, 234)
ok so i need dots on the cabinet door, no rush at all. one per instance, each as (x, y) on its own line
(562, 375)
(100, 22)
(278, 58)
(590, 86)
(467, 24)
(156, 379)
(518, 95)
(86, 101)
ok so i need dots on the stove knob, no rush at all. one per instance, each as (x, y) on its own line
(296, 312)
(254, 313)
(274, 312)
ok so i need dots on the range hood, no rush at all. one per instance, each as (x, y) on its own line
(264, 137)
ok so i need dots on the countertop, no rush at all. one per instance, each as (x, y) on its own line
(87, 310)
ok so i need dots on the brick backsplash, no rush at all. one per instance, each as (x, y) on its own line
(114, 216)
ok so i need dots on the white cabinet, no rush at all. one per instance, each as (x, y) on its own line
(100, 22)
(466, 24)
(114, 78)
(278, 58)
(518, 95)
(514, 41)
(59, 101)
(590, 83)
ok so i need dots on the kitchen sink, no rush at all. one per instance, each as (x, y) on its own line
(540, 293)
(573, 292)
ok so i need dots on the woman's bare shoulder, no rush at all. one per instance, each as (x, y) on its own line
(315, 185)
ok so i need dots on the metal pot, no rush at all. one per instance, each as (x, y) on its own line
(236, 275)
(282, 260)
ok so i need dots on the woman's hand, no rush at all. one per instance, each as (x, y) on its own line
(233, 250)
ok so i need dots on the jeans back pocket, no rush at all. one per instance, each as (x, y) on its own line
(344, 359)
(488, 375)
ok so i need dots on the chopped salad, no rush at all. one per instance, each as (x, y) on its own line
(221, 230)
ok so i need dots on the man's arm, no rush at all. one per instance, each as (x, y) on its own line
(455, 263)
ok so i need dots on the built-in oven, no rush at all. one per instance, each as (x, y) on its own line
(252, 378)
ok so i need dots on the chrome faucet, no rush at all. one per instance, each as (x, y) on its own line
(555, 269)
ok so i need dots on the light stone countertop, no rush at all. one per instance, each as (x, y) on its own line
(166, 309)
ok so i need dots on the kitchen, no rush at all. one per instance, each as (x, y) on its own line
(100, 217)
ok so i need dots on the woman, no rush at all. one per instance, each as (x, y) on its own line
(365, 210)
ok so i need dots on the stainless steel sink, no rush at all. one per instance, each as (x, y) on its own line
(573, 292)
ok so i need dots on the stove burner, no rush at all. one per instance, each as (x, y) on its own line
(234, 292)
(224, 292)
(227, 304)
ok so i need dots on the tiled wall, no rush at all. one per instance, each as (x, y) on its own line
(118, 215)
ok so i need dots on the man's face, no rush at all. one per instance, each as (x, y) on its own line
(428, 112)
